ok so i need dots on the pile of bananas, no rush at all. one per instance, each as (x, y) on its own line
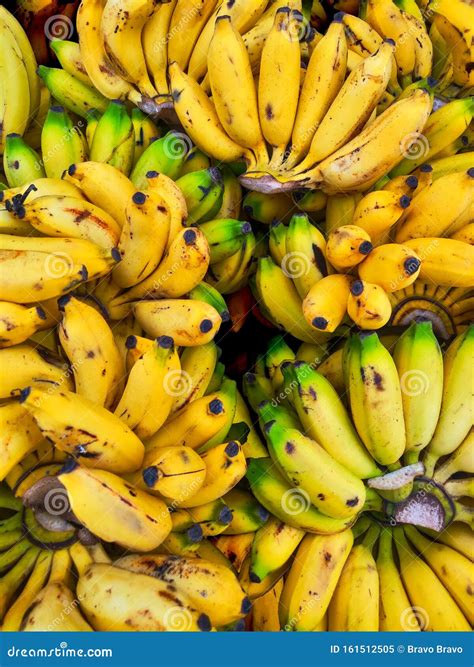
(153, 183)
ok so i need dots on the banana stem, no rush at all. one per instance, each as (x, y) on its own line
(371, 536)
(385, 544)
(361, 526)
(429, 462)
(81, 557)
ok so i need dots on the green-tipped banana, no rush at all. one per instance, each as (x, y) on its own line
(209, 294)
(72, 93)
(195, 160)
(325, 419)
(202, 191)
(225, 236)
(278, 351)
(419, 363)
(145, 131)
(69, 55)
(288, 503)
(272, 547)
(165, 155)
(62, 142)
(330, 487)
(20, 162)
(257, 388)
(304, 260)
(247, 514)
(114, 138)
(277, 241)
(375, 397)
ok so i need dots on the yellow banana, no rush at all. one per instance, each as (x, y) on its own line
(193, 14)
(24, 365)
(347, 246)
(368, 305)
(392, 266)
(378, 211)
(325, 304)
(155, 45)
(19, 322)
(166, 188)
(19, 436)
(444, 261)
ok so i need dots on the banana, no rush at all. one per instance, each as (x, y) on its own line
(143, 238)
(89, 344)
(166, 188)
(164, 155)
(224, 236)
(203, 192)
(400, 125)
(247, 514)
(311, 201)
(265, 610)
(305, 258)
(444, 261)
(438, 610)
(388, 20)
(204, 419)
(244, 14)
(62, 142)
(15, 99)
(325, 419)
(72, 218)
(195, 160)
(347, 246)
(281, 300)
(253, 446)
(96, 62)
(270, 210)
(71, 93)
(362, 90)
(194, 14)
(147, 398)
(231, 82)
(324, 307)
(354, 606)
(104, 186)
(459, 50)
(54, 608)
(231, 274)
(453, 569)
(286, 503)
(392, 266)
(155, 45)
(145, 132)
(114, 138)
(277, 352)
(340, 210)
(198, 116)
(18, 322)
(312, 579)
(134, 519)
(20, 162)
(225, 466)
(379, 210)
(368, 305)
(419, 362)
(421, 43)
(207, 293)
(457, 535)
(197, 366)
(232, 195)
(121, 25)
(138, 602)
(24, 364)
(36, 581)
(375, 397)
(465, 234)
(183, 266)
(459, 461)
(189, 322)
(324, 77)
(430, 217)
(281, 52)
(455, 419)
(223, 600)
(84, 429)
(20, 436)
(235, 548)
(175, 472)
(69, 55)
(396, 614)
(272, 547)
(442, 128)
